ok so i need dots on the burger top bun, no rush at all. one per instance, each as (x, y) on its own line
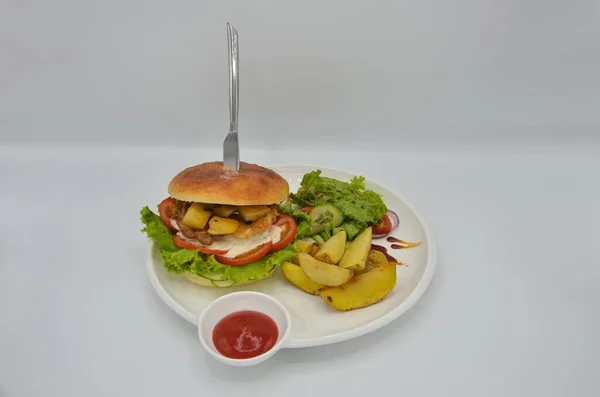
(214, 183)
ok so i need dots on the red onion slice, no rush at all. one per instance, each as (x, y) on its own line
(394, 220)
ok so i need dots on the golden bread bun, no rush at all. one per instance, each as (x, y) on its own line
(194, 278)
(213, 183)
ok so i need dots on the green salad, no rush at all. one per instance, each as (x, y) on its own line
(323, 206)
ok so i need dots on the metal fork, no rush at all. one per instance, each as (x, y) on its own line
(231, 149)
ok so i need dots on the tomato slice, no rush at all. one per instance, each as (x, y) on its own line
(288, 233)
(384, 227)
(205, 250)
(246, 257)
(163, 209)
(307, 209)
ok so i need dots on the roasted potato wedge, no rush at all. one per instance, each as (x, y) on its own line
(314, 249)
(374, 260)
(296, 276)
(355, 257)
(304, 246)
(377, 258)
(362, 290)
(323, 273)
(333, 249)
(196, 216)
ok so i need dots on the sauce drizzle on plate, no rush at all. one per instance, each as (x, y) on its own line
(401, 244)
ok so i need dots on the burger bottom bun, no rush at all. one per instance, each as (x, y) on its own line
(194, 278)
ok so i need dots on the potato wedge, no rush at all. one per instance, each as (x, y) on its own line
(333, 249)
(296, 276)
(377, 258)
(362, 290)
(374, 260)
(357, 253)
(301, 246)
(304, 246)
(323, 273)
(313, 250)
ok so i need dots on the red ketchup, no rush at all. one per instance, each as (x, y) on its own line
(245, 334)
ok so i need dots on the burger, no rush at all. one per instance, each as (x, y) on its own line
(221, 227)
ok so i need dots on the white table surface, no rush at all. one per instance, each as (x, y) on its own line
(513, 309)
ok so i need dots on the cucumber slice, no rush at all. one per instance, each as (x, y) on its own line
(213, 276)
(323, 216)
(223, 283)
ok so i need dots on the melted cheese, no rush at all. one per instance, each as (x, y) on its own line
(235, 246)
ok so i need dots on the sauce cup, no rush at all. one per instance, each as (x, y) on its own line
(242, 301)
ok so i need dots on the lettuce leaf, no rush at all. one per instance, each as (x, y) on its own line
(158, 231)
(252, 271)
(353, 228)
(178, 260)
(303, 227)
(287, 208)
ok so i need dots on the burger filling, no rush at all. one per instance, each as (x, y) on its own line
(229, 230)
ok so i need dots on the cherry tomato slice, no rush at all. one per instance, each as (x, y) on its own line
(246, 257)
(288, 233)
(306, 210)
(384, 227)
(163, 209)
(205, 250)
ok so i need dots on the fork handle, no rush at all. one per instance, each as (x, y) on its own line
(232, 40)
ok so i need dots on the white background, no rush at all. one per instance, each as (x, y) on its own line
(510, 87)
(155, 72)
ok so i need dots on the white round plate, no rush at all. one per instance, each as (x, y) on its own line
(315, 323)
